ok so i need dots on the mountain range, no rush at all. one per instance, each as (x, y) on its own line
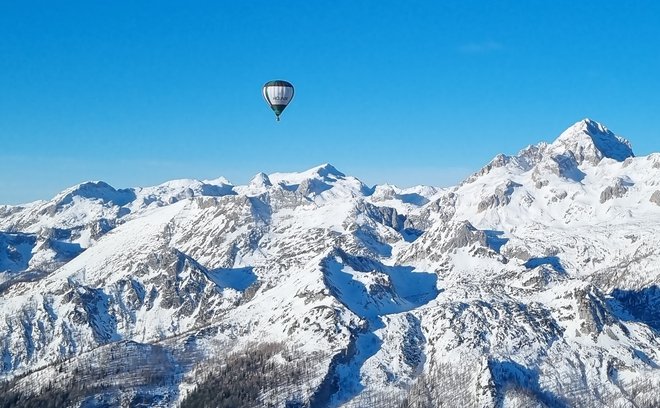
(534, 282)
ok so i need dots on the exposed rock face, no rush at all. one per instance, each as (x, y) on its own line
(563, 165)
(502, 196)
(619, 189)
(655, 197)
(463, 235)
(499, 161)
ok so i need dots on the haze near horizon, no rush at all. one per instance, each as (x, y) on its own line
(135, 95)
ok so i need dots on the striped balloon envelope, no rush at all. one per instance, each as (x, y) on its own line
(278, 94)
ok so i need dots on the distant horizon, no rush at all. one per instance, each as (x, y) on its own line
(457, 175)
(137, 94)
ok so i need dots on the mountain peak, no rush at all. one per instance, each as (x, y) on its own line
(326, 169)
(591, 141)
(591, 126)
(325, 172)
(218, 181)
(96, 190)
(260, 180)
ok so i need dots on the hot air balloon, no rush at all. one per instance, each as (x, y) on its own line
(278, 94)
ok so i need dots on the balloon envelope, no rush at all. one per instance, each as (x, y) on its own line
(278, 94)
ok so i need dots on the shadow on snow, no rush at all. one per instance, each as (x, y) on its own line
(371, 290)
(511, 375)
(553, 261)
(235, 278)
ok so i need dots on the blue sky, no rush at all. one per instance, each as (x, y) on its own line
(136, 92)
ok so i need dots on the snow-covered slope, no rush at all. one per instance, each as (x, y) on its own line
(535, 281)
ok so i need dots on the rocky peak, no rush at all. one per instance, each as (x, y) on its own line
(327, 171)
(590, 141)
(261, 180)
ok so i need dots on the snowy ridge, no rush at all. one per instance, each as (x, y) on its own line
(534, 282)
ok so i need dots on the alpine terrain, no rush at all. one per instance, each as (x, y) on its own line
(535, 282)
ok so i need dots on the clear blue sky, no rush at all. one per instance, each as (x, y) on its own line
(136, 92)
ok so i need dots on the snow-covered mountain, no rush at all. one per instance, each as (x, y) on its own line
(532, 283)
